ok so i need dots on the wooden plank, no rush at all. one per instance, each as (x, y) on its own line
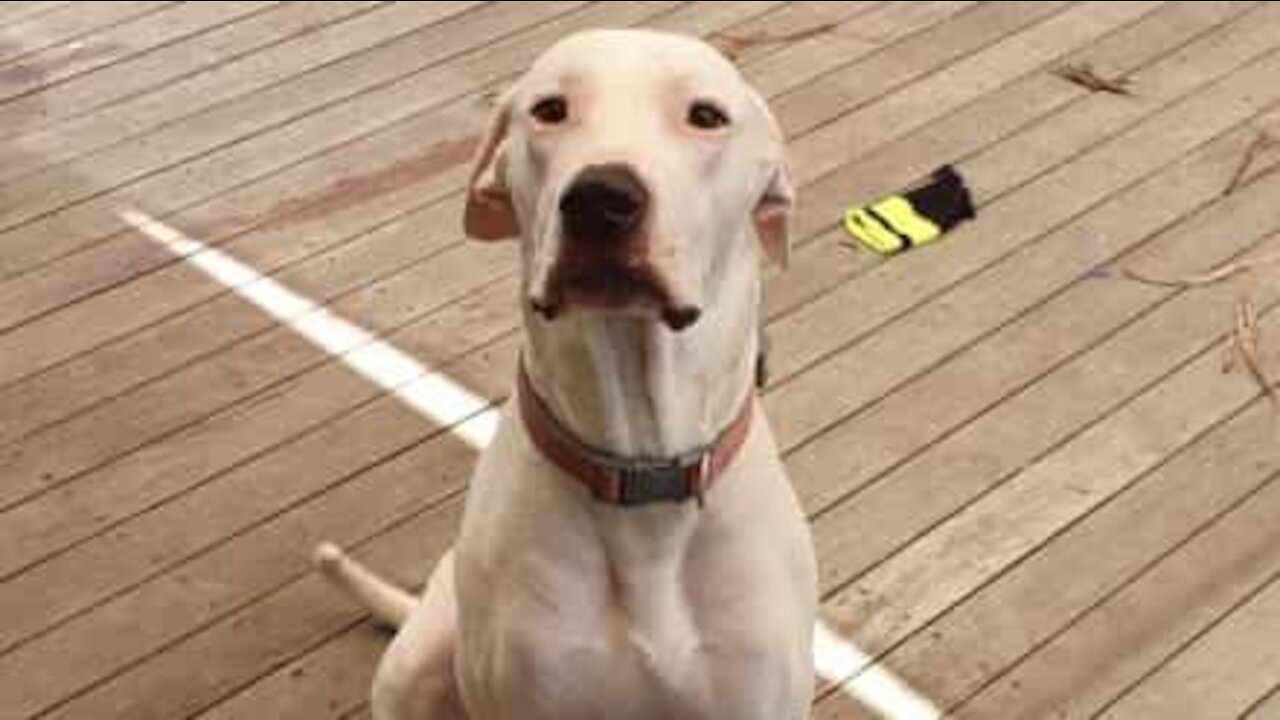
(1103, 553)
(12, 12)
(317, 393)
(306, 192)
(356, 260)
(799, 17)
(154, 31)
(38, 145)
(331, 680)
(901, 494)
(909, 590)
(128, 78)
(955, 85)
(259, 629)
(905, 496)
(246, 494)
(838, 450)
(294, 121)
(226, 140)
(1267, 708)
(822, 263)
(801, 409)
(144, 557)
(927, 53)
(47, 146)
(1223, 672)
(1046, 122)
(886, 27)
(74, 22)
(1154, 580)
(1170, 600)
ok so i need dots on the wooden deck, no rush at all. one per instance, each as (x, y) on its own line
(1034, 491)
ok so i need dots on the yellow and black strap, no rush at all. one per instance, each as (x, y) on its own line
(916, 217)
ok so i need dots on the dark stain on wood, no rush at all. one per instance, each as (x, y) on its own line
(96, 272)
(355, 190)
(37, 71)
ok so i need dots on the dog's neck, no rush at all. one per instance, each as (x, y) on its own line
(632, 387)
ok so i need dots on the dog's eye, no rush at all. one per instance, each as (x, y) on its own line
(706, 116)
(550, 110)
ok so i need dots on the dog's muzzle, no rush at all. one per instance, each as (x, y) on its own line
(604, 260)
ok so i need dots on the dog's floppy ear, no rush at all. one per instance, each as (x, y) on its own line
(490, 213)
(772, 213)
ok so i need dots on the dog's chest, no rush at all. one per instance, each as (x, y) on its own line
(567, 644)
(617, 664)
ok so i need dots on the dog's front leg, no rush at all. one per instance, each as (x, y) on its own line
(415, 679)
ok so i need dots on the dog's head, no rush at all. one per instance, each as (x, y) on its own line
(633, 165)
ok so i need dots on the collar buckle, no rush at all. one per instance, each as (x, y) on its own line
(641, 482)
(632, 481)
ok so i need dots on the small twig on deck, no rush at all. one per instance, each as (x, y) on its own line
(1244, 339)
(733, 46)
(1083, 74)
(1229, 357)
(1225, 272)
(1261, 142)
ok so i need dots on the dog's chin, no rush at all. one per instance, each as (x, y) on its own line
(610, 289)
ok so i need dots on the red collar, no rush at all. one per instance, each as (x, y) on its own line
(621, 480)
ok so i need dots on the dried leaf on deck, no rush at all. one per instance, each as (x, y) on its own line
(1245, 341)
(1225, 272)
(1085, 76)
(733, 46)
(1261, 142)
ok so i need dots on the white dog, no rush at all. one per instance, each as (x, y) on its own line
(631, 546)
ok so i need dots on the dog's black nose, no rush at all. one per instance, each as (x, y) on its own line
(605, 204)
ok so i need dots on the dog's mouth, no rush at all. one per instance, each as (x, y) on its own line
(603, 257)
(615, 287)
